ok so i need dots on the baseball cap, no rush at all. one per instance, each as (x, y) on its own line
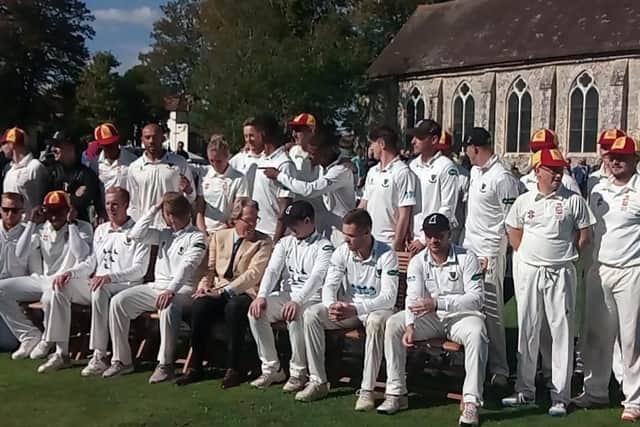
(14, 135)
(608, 137)
(543, 139)
(297, 211)
(477, 137)
(551, 158)
(425, 128)
(106, 134)
(624, 145)
(304, 119)
(57, 199)
(435, 223)
(60, 138)
(446, 139)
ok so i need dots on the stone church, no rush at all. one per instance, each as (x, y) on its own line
(513, 66)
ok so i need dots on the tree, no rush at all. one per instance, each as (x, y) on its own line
(42, 48)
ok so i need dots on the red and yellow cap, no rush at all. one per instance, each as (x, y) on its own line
(446, 139)
(13, 136)
(608, 137)
(551, 158)
(106, 134)
(304, 119)
(624, 145)
(543, 139)
(57, 199)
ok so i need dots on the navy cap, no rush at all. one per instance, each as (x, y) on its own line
(297, 211)
(435, 223)
(477, 137)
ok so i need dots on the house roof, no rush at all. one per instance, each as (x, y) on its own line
(465, 34)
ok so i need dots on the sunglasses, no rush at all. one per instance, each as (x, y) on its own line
(10, 210)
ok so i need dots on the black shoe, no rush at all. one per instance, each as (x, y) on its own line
(192, 376)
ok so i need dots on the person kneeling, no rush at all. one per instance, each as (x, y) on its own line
(303, 260)
(445, 293)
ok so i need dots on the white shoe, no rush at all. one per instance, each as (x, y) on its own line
(313, 391)
(295, 384)
(54, 363)
(117, 368)
(469, 415)
(265, 380)
(517, 400)
(558, 409)
(162, 373)
(25, 349)
(97, 365)
(41, 350)
(366, 401)
(393, 404)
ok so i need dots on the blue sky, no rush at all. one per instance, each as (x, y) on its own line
(123, 27)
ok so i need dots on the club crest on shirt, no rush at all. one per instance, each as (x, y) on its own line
(432, 179)
(363, 290)
(483, 188)
(181, 250)
(531, 214)
(385, 183)
(625, 203)
(453, 276)
(559, 210)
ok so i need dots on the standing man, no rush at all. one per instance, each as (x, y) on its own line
(218, 189)
(437, 184)
(156, 173)
(299, 264)
(112, 164)
(303, 127)
(181, 250)
(613, 294)
(334, 188)
(271, 196)
(246, 160)
(547, 227)
(607, 138)
(11, 210)
(390, 190)
(26, 175)
(360, 290)
(492, 191)
(444, 299)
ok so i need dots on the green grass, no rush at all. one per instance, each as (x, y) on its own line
(66, 399)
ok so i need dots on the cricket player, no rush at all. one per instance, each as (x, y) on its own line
(246, 160)
(302, 260)
(444, 299)
(112, 164)
(547, 227)
(303, 127)
(360, 290)
(181, 250)
(607, 138)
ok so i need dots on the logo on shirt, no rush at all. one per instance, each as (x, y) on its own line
(531, 214)
(508, 200)
(453, 276)
(411, 278)
(379, 273)
(432, 179)
(365, 291)
(625, 203)
(181, 250)
(385, 183)
(476, 276)
(559, 211)
(483, 188)
(453, 172)
(393, 273)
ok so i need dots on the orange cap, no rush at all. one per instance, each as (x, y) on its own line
(543, 139)
(624, 145)
(551, 158)
(57, 199)
(13, 136)
(304, 119)
(106, 134)
(446, 139)
(608, 137)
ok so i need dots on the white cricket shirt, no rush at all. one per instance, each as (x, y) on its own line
(28, 177)
(219, 192)
(116, 173)
(246, 162)
(10, 264)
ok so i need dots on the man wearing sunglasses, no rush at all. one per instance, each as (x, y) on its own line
(547, 227)
(60, 242)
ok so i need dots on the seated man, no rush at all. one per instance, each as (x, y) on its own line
(118, 264)
(237, 259)
(181, 248)
(367, 271)
(60, 242)
(445, 294)
(302, 261)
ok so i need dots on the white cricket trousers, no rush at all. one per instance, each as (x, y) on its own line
(58, 303)
(131, 303)
(493, 309)
(100, 299)
(613, 301)
(265, 342)
(316, 321)
(22, 289)
(545, 291)
(468, 330)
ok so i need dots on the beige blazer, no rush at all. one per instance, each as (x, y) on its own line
(248, 267)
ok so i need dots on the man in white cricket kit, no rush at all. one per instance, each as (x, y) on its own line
(547, 227)
(26, 175)
(114, 265)
(181, 250)
(613, 294)
(363, 273)
(303, 127)
(302, 261)
(389, 191)
(444, 299)
(218, 189)
(546, 139)
(61, 242)
(334, 188)
(607, 138)
(437, 186)
(246, 160)
(492, 191)
(11, 210)
(271, 196)
(112, 164)
(155, 173)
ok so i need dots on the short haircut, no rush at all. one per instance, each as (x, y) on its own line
(358, 217)
(16, 197)
(325, 138)
(121, 192)
(176, 203)
(218, 142)
(249, 121)
(388, 135)
(270, 128)
(239, 205)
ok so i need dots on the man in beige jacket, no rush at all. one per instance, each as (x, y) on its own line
(238, 257)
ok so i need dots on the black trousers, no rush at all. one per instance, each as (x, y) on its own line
(205, 312)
